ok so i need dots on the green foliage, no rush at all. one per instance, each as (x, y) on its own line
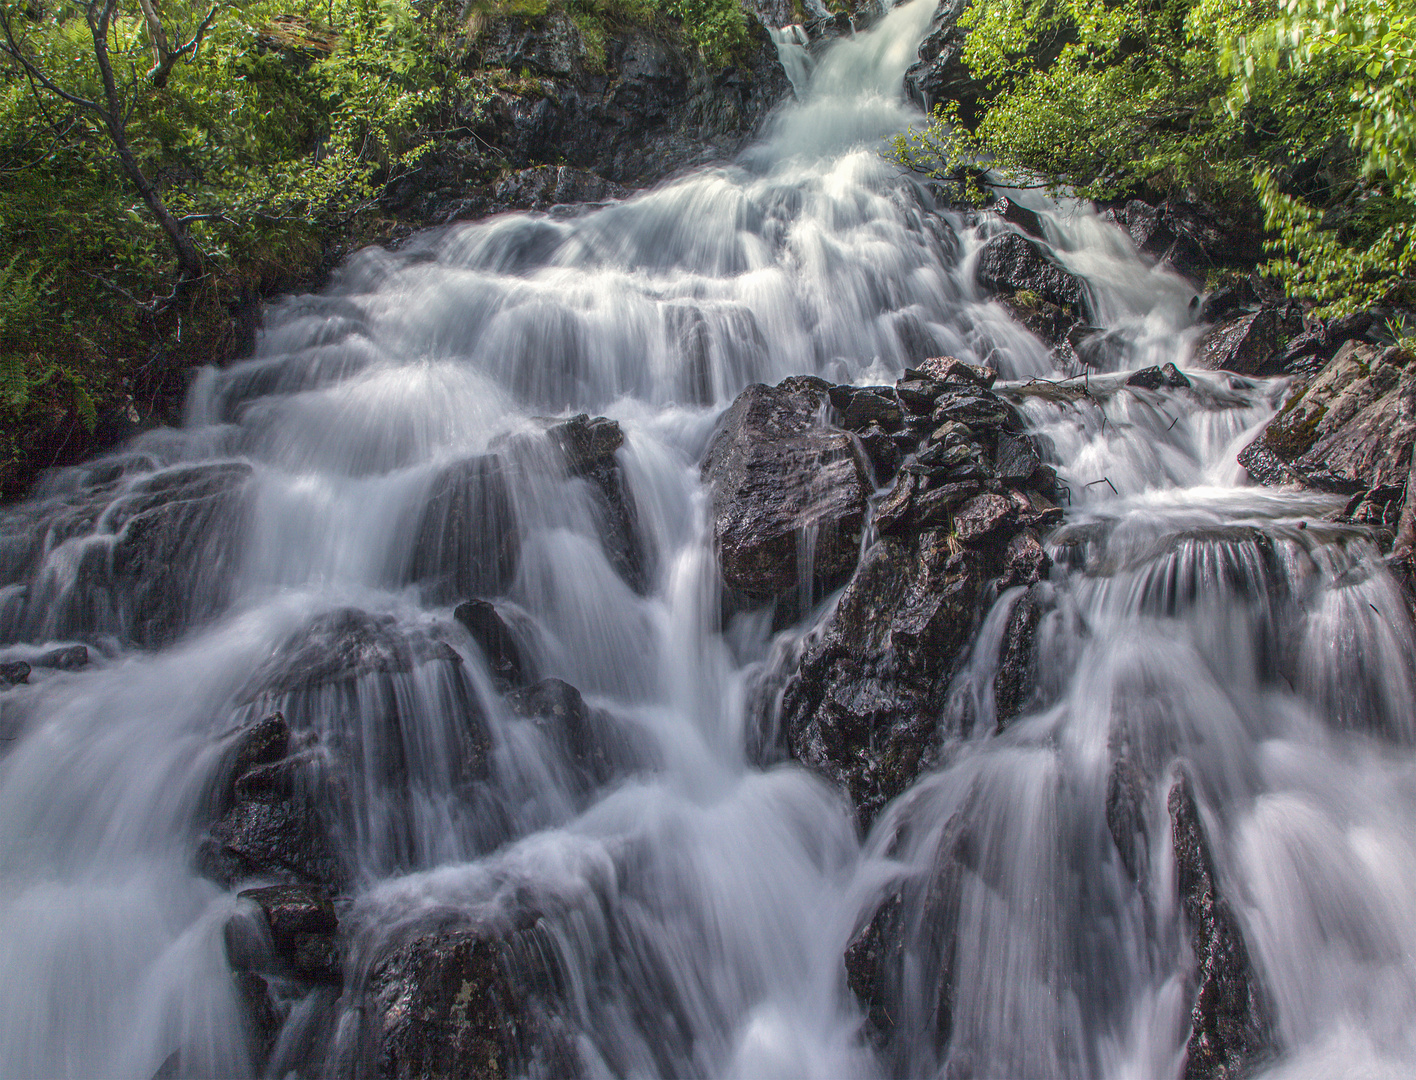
(1357, 247)
(717, 28)
(277, 122)
(1299, 110)
(266, 128)
(264, 141)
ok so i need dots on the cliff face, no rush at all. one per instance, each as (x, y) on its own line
(580, 116)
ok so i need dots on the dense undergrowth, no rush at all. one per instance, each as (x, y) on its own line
(264, 130)
(1296, 113)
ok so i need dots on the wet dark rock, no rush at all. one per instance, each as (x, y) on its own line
(903, 965)
(287, 839)
(69, 658)
(358, 691)
(1347, 431)
(948, 369)
(272, 814)
(862, 406)
(1017, 674)
(874, 959)
(1025, 560)
(445, 1005)
(775, 474)
(941, 73)
(1125, 818)
(650, 110)
(893, 511)
(883, 451)
(259, 1016)
(862, 708)
(1230, 299)
(155, 554)
(1153, 378)
(862, 702)
(937, 505)
(588, 446)
(975, 408)
(1250, 344)
(919, 395)
(1015, 459)
(982, 515)
(1015, 213)
(495, 638)
(1048, 321)
(301, 931)
(262, 743)
(466, 536)
(174, 548)
(589, 739)
(14, 672)
(1012, 263)
(1371, 450)
(319, 675)
(542, 187)
(340, 646)
(1229, 1028)
(1190, 237)
(579, 120)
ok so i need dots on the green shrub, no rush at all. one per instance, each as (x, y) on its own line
(1299, 112)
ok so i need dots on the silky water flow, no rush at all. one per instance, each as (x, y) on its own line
(343, 489)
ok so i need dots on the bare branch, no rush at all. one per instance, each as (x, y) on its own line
(155, 306)
(161, 62)
(11, 48)
(166, 57)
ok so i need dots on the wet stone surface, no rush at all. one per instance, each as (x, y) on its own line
(960, 518)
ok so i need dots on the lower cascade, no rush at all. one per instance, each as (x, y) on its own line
(711, 633)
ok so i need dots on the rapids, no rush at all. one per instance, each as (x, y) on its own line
(1209, 620)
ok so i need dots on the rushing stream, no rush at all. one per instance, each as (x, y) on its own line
(1204, 619)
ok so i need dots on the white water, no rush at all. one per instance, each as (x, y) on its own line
(706, 903)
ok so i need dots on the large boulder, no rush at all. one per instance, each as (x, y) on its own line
(863, 706)
(1190, 238)
(861, 703)
(1250, 344)
(787, 491)
(1011, 263)
(444, 1005)
(1348, 431)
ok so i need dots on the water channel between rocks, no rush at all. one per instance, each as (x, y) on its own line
(1207, 789)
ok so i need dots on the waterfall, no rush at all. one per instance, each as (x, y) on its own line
(301, 545)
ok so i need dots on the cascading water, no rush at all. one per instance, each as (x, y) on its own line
(358, 477)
